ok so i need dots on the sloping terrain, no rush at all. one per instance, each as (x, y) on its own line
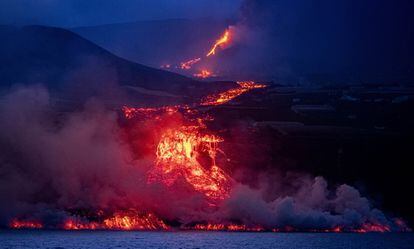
(66, 63)
(156, 42)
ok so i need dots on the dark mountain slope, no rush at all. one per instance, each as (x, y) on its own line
(65, 62)
(156, 42)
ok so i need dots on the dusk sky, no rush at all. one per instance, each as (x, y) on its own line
(95, 12)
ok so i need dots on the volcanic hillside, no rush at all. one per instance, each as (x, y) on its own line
(152, 42)
(65, 62)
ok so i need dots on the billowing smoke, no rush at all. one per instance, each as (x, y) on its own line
(324, 41)
(55, 165)
(59, 161)
(310, 206)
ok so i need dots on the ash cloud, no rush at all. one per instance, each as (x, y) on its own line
(52, 163)
(326, 41)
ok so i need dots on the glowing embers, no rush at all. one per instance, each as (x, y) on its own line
(178, 156)
(222, 42)
(224, 97)
(25, 224)
(119, 221)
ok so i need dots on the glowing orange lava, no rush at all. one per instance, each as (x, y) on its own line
(227, 227)
(203, 74)
(224, 97)
(149, 112)
(119, 221)
(25, 224)
(122, 221)
(179, 149)
(220, 43)
(189, 64)
(178, 157)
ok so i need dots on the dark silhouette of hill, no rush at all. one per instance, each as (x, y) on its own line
(65, 62)
(156, 42)
(289, 42)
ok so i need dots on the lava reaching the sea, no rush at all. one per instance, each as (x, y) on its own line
(177, 179)
(162, 168)
(119, 221)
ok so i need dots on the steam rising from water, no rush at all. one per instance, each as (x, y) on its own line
(55, 165)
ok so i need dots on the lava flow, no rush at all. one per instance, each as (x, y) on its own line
(188, 64)
(224, 97)
(119, 221)
(184, 166)
(180, 148)
(204, 74)
(220, 43)
(178, 156)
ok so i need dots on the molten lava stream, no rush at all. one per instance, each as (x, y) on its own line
(220, 43)
(181, 147)
(135, 222)
(178, 156)
(224, 97)
(189, 64)
(119, 221)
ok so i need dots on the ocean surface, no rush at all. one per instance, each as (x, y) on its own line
(110, 239)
